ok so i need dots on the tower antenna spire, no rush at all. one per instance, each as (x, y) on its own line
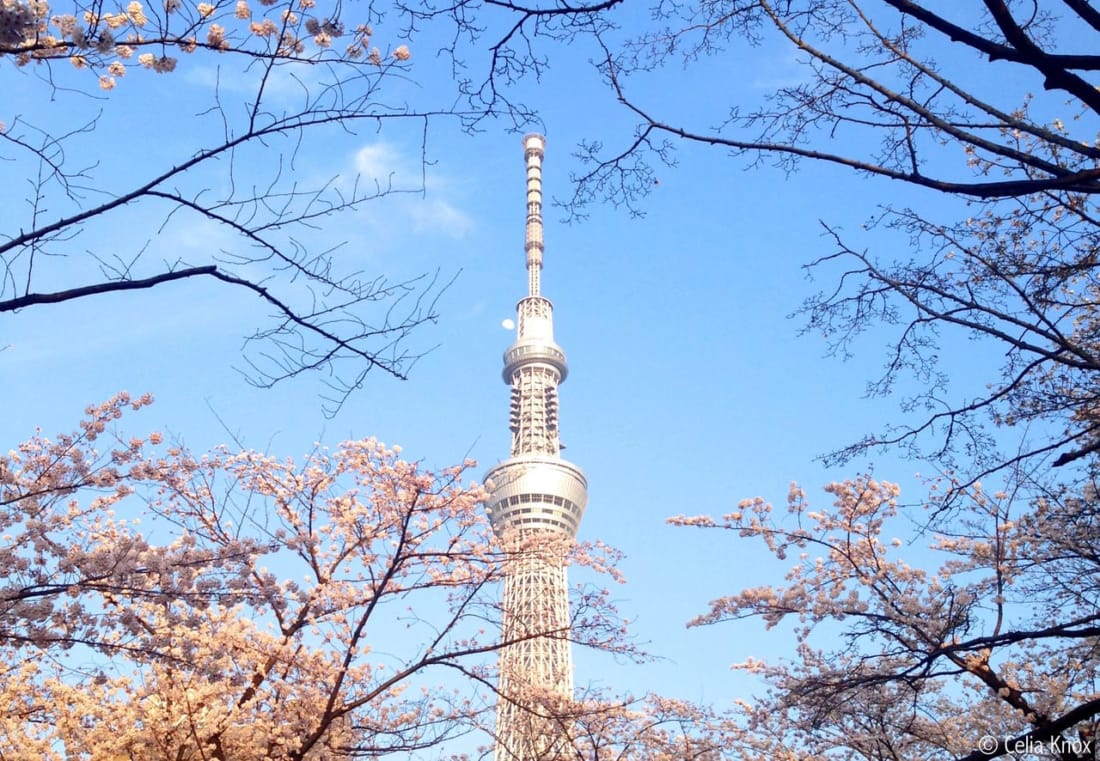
(534, 148)
(535, 506)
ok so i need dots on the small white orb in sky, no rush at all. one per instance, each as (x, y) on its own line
(508, 324)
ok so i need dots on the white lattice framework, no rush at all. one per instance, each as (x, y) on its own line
(536, 504)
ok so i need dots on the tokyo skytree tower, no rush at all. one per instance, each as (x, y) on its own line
(536, 503)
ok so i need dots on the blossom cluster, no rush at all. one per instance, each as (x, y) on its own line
(18, 20)
(107, 41)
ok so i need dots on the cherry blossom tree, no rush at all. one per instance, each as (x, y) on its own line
(276, 79)
(162, 605)
(973, 641)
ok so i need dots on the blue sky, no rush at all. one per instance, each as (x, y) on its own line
(689, 387)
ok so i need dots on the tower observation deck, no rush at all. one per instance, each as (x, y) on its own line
(536, 503)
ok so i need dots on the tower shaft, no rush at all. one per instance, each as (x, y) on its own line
(536, 503)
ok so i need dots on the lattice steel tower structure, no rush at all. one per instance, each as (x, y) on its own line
(536, 503)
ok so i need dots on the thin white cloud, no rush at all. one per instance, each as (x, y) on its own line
(433, 213)
(439, 216)
(377, 160)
